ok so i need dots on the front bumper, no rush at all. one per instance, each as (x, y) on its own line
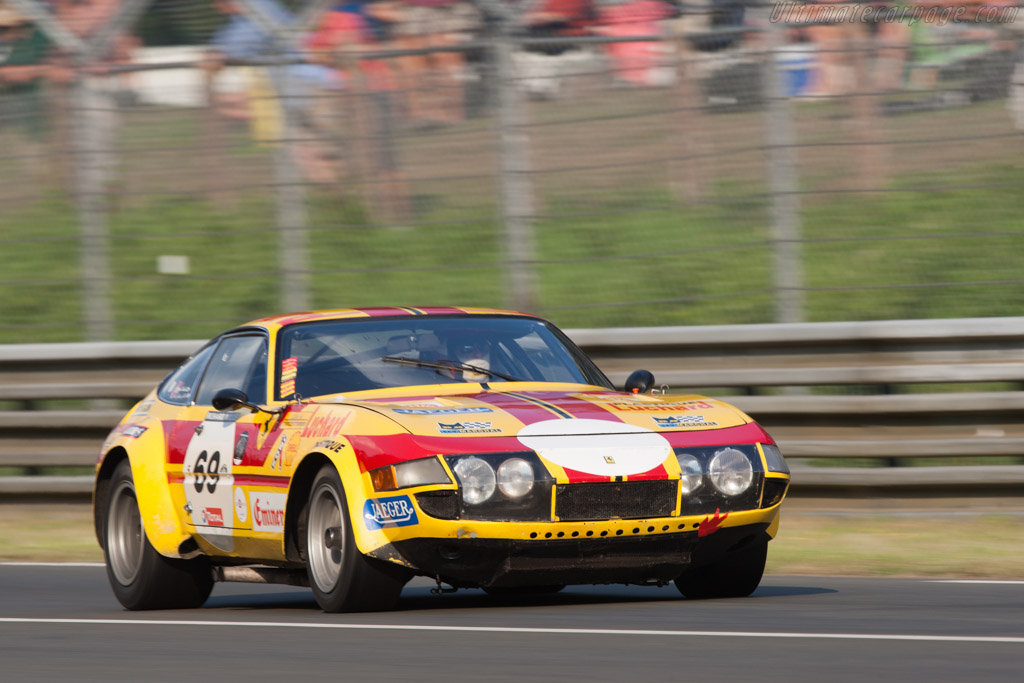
(654, 558)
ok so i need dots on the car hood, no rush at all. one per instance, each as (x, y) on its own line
(522, 413)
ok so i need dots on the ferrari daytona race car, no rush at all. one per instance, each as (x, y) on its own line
(350, 450)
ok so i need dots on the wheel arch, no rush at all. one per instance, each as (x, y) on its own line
(298, 496)
(101, 489)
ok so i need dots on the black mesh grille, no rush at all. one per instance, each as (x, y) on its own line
(439, 504)
(625, 500)
(774, 489)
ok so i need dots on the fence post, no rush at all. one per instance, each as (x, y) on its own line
(514, 176)
(691, 137)
(292, 216)
(91, 205)
(783, 183)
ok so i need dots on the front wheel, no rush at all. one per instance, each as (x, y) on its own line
(141, 577)
(342, 578)
(736, 576)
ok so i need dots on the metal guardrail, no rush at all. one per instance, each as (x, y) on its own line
(881, 390)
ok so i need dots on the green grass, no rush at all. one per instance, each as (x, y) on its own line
(635, 258)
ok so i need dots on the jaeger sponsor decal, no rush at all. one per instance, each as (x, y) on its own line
(320, 427)
(662, 407)
(381, 513)
(683, 421)
(443, 411)
(467, 427)
(267, 511)
(212, 516)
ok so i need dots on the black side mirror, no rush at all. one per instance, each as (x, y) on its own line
(639, 382)
(232, 399)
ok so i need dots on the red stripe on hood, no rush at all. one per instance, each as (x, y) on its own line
(576, 406)
(525, 411)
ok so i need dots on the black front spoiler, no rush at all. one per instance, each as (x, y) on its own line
(656, 558)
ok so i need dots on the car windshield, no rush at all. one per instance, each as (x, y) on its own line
(340, 356)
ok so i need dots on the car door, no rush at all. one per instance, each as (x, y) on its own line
(220, 439)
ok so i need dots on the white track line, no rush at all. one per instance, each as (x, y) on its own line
(982, 581)
(1016, 640)
(51, 564)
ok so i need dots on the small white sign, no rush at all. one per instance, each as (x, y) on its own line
(172, 265)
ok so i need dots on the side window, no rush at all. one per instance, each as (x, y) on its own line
(233, 366)
(256, 387)
(180, 385)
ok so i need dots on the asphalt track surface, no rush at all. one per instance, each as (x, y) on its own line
(61, 623)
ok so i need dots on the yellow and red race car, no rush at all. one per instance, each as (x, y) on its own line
(351, 450)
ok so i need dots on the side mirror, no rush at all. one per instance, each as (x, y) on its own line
(232, 399)
(639, 382)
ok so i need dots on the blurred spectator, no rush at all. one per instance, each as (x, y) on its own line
(433, 81)
(642, 63)
(85, 18)
(559, 18)
(355, 26)
(25, 64)
(834, 74)
(298, 90)
(543, 66)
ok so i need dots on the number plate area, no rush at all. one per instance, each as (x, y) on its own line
(209, 482)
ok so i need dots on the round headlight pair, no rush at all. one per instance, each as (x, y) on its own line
(514, 478)
(729, 471)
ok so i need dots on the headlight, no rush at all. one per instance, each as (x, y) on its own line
(773, 458)
(692, 475)
(515, 477)
(477, 479)
(411, 473)
(730, 472)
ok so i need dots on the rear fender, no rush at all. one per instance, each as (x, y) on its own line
(160, 518)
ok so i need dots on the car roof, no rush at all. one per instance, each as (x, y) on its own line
(279, 321)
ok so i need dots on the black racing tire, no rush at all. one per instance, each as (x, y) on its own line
(142, 578)
(342, 578)
(736, 576)
(522, 591)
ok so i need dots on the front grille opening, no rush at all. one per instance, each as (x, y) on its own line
(615, 500)
(439, 504)
(774, 490)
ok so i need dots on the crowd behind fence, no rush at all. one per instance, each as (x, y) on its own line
(172, 167)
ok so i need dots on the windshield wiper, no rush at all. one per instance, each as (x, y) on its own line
(448, 365)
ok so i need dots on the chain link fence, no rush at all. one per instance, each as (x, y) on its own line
(171, 168)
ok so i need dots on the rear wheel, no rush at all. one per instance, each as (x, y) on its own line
(736, 576)
(141, 577)
(342, 578)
